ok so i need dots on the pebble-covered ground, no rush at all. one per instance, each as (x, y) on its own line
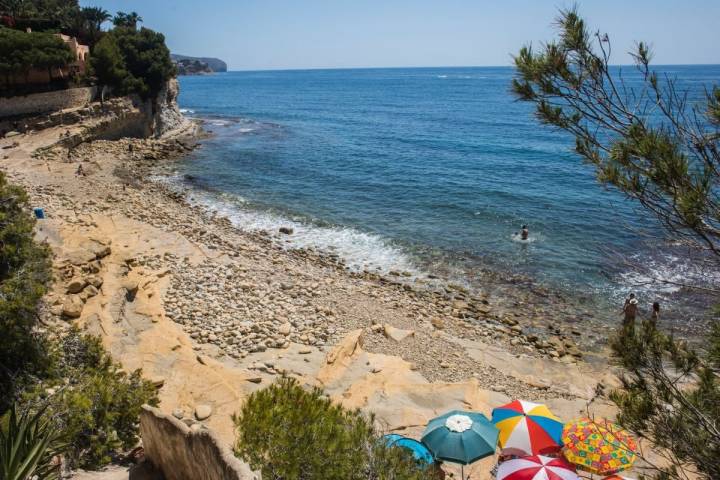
(252, 294)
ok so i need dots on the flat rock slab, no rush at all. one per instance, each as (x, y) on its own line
(397, 334)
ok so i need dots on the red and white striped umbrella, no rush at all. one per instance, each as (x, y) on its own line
(536, 467)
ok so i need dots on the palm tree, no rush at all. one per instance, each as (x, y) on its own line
(95, 16)
(128, 20)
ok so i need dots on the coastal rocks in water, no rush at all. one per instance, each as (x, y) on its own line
(203, 412)
(286, 230)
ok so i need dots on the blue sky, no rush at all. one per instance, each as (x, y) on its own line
(280, 34)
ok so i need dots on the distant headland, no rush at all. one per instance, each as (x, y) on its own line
(198, 65)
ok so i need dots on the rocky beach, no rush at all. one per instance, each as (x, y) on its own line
(212, 313)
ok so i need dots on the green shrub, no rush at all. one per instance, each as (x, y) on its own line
(21, 51)
(28, 443)
(24, 276)
(133, 61)
(94, 404)
(290, 433)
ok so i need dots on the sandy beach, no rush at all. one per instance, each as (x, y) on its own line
(212, 313)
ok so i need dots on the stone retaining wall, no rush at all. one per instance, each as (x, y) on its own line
(46, 102)
(183, 454)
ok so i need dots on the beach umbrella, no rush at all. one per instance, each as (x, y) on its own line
(420, 452)
(537, 467)
(617, 477)
(527, 428)
(598, 446)
(461, 437)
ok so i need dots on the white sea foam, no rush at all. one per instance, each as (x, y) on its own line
(187, 110)
(515, 237)
(666, 274)
(359, 250)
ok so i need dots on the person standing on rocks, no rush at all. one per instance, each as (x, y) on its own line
(655, 315)
(630, 311)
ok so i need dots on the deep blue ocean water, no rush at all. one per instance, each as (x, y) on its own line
(429, 170)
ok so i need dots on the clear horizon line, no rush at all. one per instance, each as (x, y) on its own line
(305, 69)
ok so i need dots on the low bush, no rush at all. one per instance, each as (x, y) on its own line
(24, 276)
(290, 433)
(94, 404)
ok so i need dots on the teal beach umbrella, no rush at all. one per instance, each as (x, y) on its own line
(461, 437)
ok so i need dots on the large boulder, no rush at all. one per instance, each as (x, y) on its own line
(72, 307)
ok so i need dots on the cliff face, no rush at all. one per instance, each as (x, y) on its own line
(164, 114)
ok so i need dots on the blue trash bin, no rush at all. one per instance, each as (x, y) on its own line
(39, 213)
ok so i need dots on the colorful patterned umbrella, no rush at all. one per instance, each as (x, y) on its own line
(527, 428)
(617, 477)
(598, 446)
(536, 467)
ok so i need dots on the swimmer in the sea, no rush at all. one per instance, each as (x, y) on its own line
(524, 233)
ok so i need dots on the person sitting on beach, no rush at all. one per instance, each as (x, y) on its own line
(80, 172)
(524, 233)
(630, 310)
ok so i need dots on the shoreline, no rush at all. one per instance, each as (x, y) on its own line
(514, 295)
(211, 313)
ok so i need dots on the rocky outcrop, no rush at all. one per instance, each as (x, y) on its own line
(164, 114)
(181, 453)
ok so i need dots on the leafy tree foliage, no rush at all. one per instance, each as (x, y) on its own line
(127, 20)
(656, 147)
(290, 433)
(42, 15)
(24, 276)
(92, 405)
(20, 51)
(86, 24)
(147, 59)
(108, 64)
(133, 61)
(650, 143)
(671, 395)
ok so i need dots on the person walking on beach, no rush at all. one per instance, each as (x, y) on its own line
(630, 311)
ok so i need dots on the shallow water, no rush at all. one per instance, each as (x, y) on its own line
(426, 171)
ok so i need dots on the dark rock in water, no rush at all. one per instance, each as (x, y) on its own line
(286, 230)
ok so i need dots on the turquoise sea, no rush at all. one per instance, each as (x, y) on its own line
(431, 171)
